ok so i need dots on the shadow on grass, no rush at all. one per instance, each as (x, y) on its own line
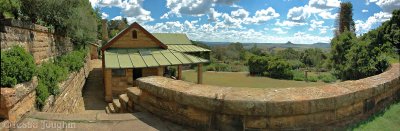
(373, 117)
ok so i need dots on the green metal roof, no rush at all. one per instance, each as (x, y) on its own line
(173, 38)
(187, 48)
(178, 42)
(141, 58)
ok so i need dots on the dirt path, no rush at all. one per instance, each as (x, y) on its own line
(93, 92)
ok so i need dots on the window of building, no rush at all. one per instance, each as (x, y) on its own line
(118, 72)
(134, 34)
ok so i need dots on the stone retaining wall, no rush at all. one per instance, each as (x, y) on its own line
(41, 42)
(16, 101)
(21, 98)
(70, 99)
(328, 107)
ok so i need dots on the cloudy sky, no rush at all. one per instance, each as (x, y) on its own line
(258, 21)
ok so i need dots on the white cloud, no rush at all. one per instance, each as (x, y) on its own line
(117, 18)
(322, 8)
(109, 3)
(279, 31)
(388, 5)
(104, 15)
(364, 26)
(364, 11)
(131, 9)
(215, 33)
(213, 15)
(262, 16)
(324, 4)
(192, 7)
(240, 14)
(289, 23)
(314, 25)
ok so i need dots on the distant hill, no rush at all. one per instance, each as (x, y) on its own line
(275, 45)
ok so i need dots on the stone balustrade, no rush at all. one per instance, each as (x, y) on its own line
(327, 107)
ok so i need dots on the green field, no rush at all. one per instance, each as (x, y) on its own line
(386, 121)
(241, 79)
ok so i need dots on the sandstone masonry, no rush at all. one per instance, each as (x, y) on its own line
(328, 107)
(70, 99)
(41, 42)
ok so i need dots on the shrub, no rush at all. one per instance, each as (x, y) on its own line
(42, 93)
(270, 66)
(50, 75)
(312, 78)
(17, 66)
(327, 78)
(74, 60)
(217, 67)
(298, 75)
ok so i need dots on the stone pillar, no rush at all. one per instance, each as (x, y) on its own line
(199, 74)
(179, 72)
(160, 71)
(108, 85)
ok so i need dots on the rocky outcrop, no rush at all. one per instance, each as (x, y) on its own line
(328, 107)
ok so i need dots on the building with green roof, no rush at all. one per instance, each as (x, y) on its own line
(135, 53)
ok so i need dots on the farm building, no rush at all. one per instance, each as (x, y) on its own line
(135, 53)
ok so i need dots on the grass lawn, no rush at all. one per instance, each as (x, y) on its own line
(386, 121)
(240, 79)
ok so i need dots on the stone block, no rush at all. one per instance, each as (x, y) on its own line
(134, 93)
(255, 122)
(226, 122)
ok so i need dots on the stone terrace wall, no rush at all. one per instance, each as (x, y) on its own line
(38, 40)
(329, 107)
(70, 99)
(20, 99)
(16, 101)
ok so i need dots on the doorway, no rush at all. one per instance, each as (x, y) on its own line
(137, 73)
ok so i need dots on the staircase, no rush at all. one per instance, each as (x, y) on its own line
(125, 102)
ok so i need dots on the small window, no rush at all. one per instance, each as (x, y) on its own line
(118, 72)
(134, 34)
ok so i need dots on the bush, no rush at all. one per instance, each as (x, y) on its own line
(298, 75)
(17, 66)
(270, 66)
(74, 60)
(312, 78)
(42, 93)
(217, 67)
(50, 75)
(327, 78)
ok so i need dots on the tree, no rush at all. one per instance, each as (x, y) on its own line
(270, 66)
(73, 18)
(255, 50)
(340, 46)
(313, 57)
(345, 19)
(289, 54)
(9, 8)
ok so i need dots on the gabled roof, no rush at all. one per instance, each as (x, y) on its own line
(179, 42)
(126, 30)
(147, 57)
(173, 38)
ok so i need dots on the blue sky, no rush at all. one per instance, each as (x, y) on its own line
(256, 21)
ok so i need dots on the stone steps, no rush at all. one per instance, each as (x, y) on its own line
(125, 102)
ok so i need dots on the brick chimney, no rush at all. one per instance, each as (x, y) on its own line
(104, 29)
